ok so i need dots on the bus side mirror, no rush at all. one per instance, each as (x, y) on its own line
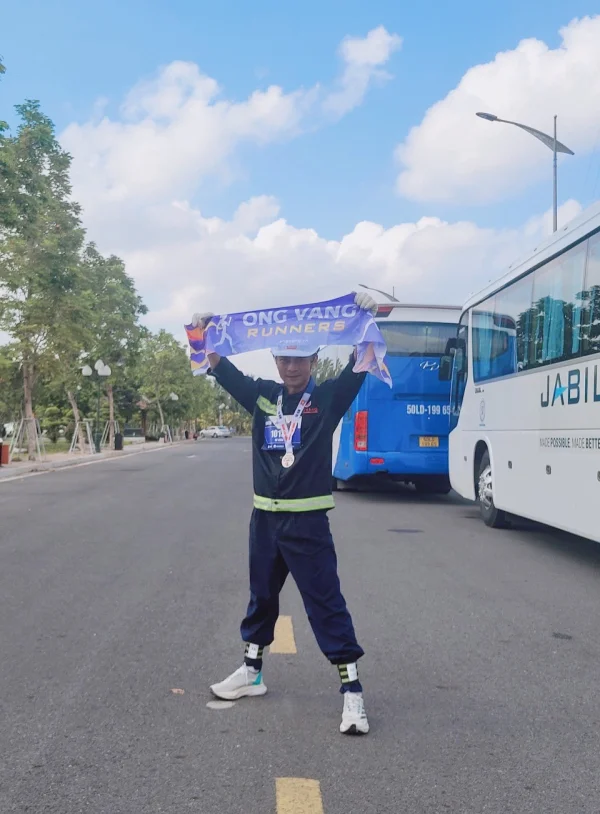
(445, 371)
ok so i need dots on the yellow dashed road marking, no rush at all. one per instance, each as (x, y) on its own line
(284, 636)
(298, 796)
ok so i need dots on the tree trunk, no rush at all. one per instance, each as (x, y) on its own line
(162, 417)
(74, 407)
(30, 425)
(111, 415)
(79, 430)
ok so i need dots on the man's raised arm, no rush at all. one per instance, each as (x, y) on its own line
(244, 389)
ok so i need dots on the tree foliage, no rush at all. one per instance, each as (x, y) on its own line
(64, 304)
(3, 124)
(327, 369)
(40, 242)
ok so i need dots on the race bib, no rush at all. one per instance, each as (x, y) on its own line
(274, 436)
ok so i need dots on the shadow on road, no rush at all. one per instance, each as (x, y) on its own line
(525, 532)
(555, 541)
(388, 491)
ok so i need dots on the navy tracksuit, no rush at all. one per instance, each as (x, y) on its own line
(289, 529)
(301, 545)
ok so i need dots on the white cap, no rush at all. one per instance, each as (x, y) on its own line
(295, 349)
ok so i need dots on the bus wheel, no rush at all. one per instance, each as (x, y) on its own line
(433, 485)
(491, 516)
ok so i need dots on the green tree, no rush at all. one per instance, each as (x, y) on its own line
(40, 240)
(10, 386)
(165, 370)
(3, 124)
(233, 414)
(327, 369)
(53, 420)
(115, 309)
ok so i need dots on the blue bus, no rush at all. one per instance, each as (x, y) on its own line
(402, 433)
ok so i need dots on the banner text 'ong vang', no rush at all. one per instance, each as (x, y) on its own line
(293, 330)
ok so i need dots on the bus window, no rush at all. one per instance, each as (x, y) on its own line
(494, 339)
(416, 338)
(590, 321)
(557, 288)
(514, 304)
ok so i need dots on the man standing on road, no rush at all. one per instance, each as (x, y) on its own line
(289, 529)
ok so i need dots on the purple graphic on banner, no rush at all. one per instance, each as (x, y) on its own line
(292, 331)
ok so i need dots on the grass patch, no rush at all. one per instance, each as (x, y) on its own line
(62, 445)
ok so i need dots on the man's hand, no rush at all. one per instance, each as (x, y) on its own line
(201, 320)
(366, 302)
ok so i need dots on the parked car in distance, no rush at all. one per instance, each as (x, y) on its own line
(215, 432)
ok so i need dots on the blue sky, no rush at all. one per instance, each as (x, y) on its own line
(69, 54)
(478, 184)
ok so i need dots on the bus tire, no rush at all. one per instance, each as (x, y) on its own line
(334, 484)
(491, 516)
(433, 485)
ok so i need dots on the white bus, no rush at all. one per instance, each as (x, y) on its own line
(525, 392)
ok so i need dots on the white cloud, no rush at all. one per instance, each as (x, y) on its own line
(453, 156)
(137, 178)
(176, 128)
(257, 259)
(173, 132)
(363, 59)
(430, 261)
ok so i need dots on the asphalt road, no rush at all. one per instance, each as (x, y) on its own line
(124, 580)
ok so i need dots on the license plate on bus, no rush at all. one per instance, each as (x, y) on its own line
(429, 441)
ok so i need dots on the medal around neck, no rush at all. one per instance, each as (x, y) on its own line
(288, 430)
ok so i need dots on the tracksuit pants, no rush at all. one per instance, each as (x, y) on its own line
(299, 543)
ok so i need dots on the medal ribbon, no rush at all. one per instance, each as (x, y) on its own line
(288, 430)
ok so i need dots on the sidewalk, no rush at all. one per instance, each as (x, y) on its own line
(61, 460)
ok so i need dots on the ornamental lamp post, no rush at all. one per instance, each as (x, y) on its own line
(102, 371)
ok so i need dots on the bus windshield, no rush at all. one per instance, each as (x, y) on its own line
(416, 338)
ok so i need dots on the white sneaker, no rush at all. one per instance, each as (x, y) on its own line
(354, 717)
(245, 681)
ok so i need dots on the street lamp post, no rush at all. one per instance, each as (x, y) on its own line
(551, 142)
(103, 371)
(391, 297)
